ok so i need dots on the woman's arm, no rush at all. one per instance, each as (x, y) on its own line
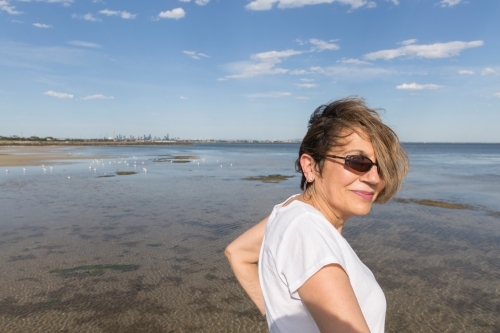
(329, 297)
(243, 255)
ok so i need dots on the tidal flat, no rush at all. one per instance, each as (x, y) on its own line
(145, 253)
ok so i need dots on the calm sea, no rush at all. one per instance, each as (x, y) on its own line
(85, 250)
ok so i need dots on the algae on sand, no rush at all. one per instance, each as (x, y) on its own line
(154, 244)
(95, 269)
(210, 277)
(176, 159)
(125, 173)
(269, 179)
(435, 203)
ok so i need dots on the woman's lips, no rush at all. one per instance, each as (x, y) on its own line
(364, 195)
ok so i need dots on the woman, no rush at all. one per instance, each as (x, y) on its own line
(308, 278)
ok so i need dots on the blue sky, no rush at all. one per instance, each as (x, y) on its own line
(243, 69)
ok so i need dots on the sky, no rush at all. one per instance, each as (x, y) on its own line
(247, 69)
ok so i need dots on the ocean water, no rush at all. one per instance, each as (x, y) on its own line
(85, 252)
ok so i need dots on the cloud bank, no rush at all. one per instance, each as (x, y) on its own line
(123, 14)
(268, 4)
(58, 94)
(6, 7)
(98, 96)
(84, 44)
(430, 51)
(264, 63)
(416, 86)
(42, 26)
(175, 14)
(194, 55)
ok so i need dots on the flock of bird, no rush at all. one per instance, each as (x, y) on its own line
(101, 163)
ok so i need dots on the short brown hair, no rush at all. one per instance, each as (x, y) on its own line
(327, 127)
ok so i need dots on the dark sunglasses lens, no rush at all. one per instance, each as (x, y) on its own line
(359, 163)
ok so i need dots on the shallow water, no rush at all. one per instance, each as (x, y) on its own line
(439, 268)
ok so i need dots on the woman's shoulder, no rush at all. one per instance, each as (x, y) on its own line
(298, 215)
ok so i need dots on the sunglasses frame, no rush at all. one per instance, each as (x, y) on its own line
(349, 158)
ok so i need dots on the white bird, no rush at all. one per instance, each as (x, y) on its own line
(69, 177)
(6, 171)
(24, 170)
(144, 169)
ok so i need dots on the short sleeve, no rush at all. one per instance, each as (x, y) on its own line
(309, 243)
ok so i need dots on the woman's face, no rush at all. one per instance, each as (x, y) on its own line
(347, 192)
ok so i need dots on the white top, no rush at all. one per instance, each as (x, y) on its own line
(297, 243)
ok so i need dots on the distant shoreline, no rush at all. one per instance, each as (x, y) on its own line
(87, 143)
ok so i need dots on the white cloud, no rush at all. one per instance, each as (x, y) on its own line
(201, 2)
(268, 4)
(298, 72)
(185, 0)
(57, 94)
(277, 94)
(63, 2)
(194, 55)
(182, 97)
(41, 25)
(465, 72)
(496, 94)
(306, 85)
(123, 14)
(371, 4)
(306, 80)
(98, 96)
(449, 3)
(489, 71)
(352, 73)
(176, 14)
(396, 2)
(86, 17)
(321, 45)
(432, 51)
(408, 42)
(416, 86)
(15, 54)
(84, 44)
(354, 62)
(6, 7)
(264, 63)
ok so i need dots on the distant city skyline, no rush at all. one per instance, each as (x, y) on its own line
(247, 69)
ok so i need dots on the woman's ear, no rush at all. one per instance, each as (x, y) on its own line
(308, 167)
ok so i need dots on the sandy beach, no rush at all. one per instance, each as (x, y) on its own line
(42, 155)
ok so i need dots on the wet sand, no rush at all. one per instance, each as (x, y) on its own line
(32, 156)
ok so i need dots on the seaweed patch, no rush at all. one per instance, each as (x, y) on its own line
(269, 179)
(95, 269)
(435, 203)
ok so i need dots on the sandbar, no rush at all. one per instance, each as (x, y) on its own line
(42, 155)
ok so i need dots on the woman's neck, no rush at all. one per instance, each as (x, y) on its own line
(321, 205)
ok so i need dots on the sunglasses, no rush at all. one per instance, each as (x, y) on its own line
(356, 162)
